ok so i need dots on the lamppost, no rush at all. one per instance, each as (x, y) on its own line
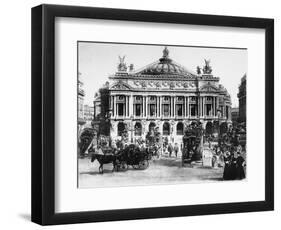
(108, 123)
(131, 128)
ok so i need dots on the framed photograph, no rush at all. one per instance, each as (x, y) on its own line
(142, 114)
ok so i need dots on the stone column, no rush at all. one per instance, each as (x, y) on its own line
(203, 106)
(131, 105)
(115, 106)
(217, 105)
(174, 106)
(214, 106)
(171, 108)
(184, 107)
(146, 106)
(160, 106)
(125, 107)
(187, 105)
(111, 106)
(215, 109)
(142, 108)
(198, 105)
(128, 106)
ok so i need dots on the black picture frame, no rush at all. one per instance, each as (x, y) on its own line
(43, 114)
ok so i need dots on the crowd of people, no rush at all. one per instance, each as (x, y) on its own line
(233, 161)
(227, 152)
(234, 166)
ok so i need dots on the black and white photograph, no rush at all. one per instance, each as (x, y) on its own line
(160, 114)
(140, 114)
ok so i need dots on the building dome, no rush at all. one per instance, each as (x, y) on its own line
(166, 66)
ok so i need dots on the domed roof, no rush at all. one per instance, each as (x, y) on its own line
(166, 66)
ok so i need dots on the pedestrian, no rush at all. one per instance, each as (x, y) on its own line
(227, 166)
(170, 149)
(176, 149)
(181, 147)
(233, 168)
(240, 163)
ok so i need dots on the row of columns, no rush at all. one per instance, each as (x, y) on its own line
(201, 103)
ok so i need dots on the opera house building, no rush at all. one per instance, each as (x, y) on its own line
(164, 95)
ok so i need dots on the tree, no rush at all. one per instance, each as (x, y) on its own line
(153, 137)
(86, 138)
(104, 117)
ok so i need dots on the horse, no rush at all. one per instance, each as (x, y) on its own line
(104, 159)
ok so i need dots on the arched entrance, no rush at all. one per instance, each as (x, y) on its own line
(151, 126)
(223, 128)
(120, 128)
(166, 129)
(138, 129)
(216, 127)
(209, 128)
(180, 128)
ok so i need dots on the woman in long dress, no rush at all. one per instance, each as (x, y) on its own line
(227, 166)
(233, 167)
(240, 162)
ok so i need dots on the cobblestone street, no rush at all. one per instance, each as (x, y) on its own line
(161, 171)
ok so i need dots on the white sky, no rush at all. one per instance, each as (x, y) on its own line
(99, 60)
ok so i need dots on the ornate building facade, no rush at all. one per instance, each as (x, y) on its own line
(80, 104)
(166, 96)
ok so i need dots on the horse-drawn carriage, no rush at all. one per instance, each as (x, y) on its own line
(133, 156)
(190, 148)
(191, 144)
(121, 160)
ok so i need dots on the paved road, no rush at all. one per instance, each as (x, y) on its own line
(162, 171)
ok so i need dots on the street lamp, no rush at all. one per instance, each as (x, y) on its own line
(131, 128)
(108, 116)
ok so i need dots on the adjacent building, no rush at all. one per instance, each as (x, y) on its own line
(88, 113)
(81, 95)
(235, 114)
(242, 99)
(163, 95)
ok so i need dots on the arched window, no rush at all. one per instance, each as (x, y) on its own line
(120, 128)
(138, 130)
(151, 126)
(166, 129)
(180, 128)
(209, 128)
(223, 127)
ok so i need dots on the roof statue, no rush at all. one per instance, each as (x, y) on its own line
(165, 52)
(131, 67)
(207, 69)
(198, 69)
(122, 65)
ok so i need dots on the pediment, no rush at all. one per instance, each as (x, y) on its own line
(120, 86)
(209, 88)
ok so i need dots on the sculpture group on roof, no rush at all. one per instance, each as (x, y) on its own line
(122, 66)
(165, 66)
(207, 69)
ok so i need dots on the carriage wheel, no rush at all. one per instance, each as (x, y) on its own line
(143, 164)
(135, 166)
(123, 166)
